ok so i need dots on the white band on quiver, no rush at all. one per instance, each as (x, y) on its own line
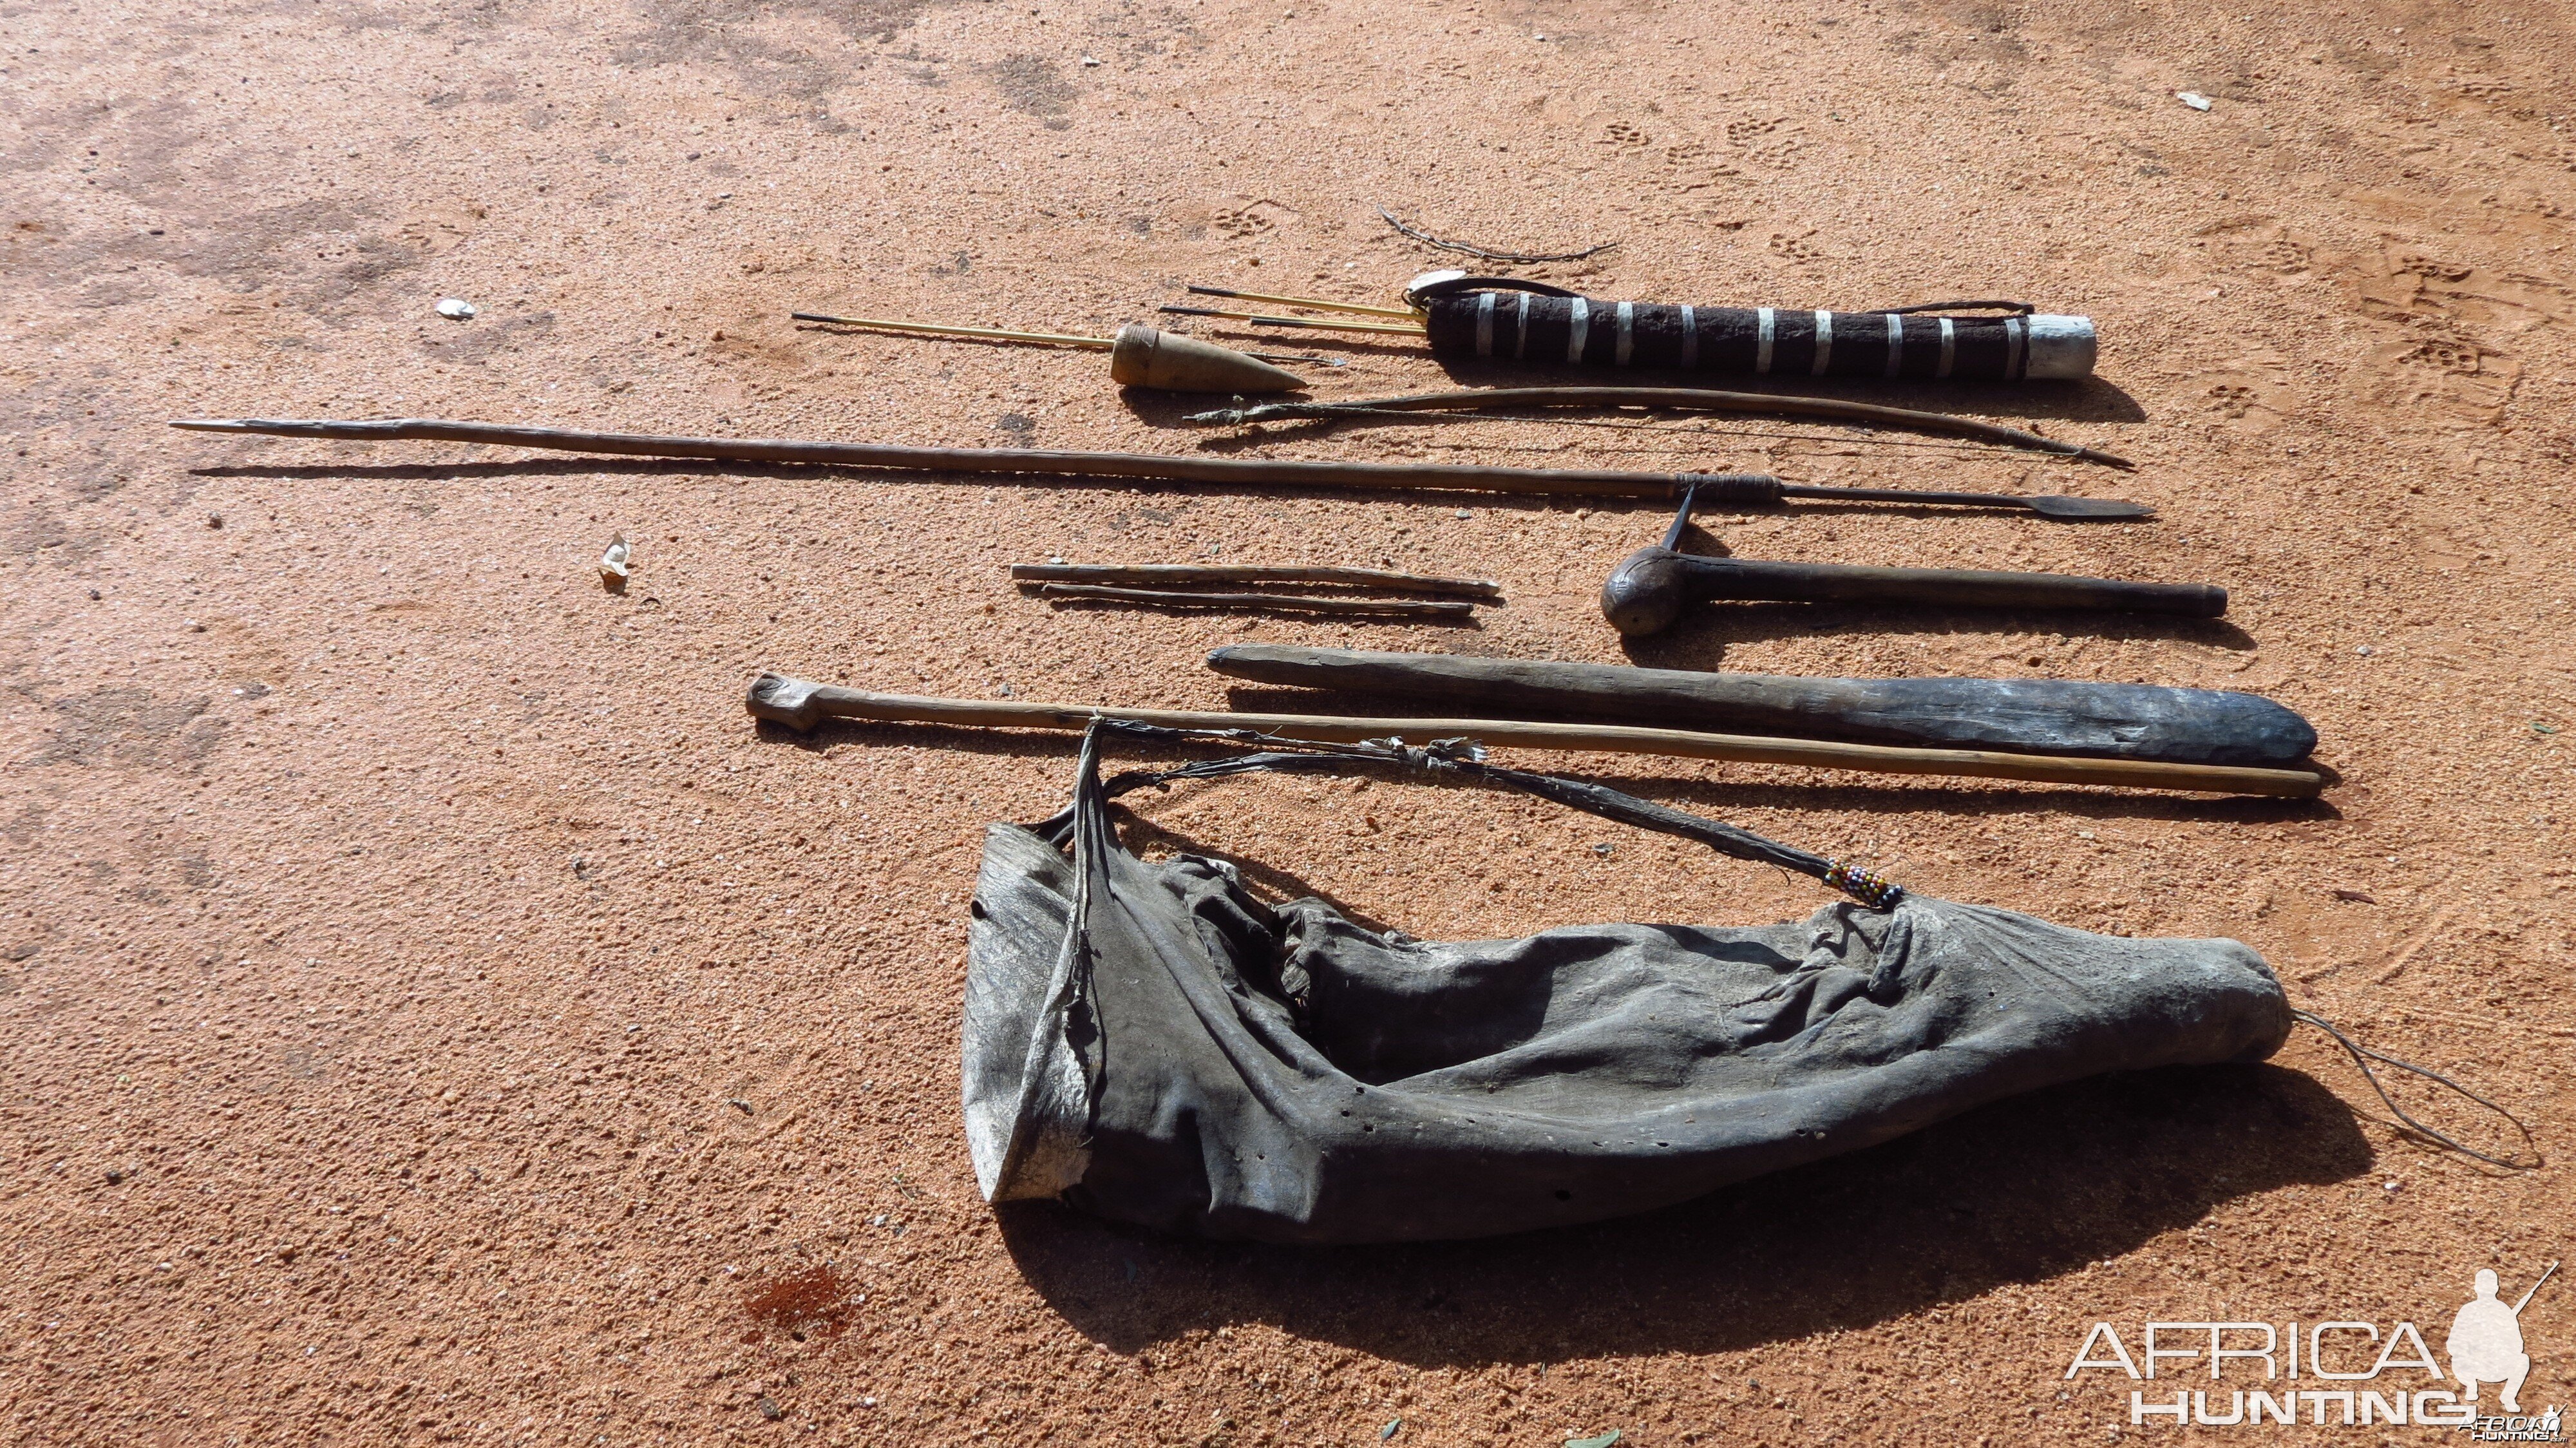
(1824, 344)
(1690, 337)
(1485, 324)
(1627, 331)
(1895, 343)
(1580, 310)
(2012, 349)
(1764, 323)
(1520, 330)
(1949, 348)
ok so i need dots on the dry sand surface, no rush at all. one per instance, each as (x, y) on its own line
(435, 1012)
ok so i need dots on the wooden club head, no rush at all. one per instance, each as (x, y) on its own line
(1645, 593)
(782, 700)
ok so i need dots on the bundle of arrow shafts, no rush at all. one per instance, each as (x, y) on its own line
(1340, 591)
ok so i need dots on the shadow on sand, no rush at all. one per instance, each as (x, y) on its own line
(2021, 1191)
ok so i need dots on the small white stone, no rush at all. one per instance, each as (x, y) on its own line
(1090, 60)
(457, 309)
(2193, 99)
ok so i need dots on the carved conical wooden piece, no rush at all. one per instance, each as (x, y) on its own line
(1141, 356)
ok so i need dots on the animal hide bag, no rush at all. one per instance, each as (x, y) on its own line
(1151, 1043)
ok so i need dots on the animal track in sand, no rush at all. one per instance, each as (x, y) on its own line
(1625, 136)
(2284, 255)
(2443, 354)
(1242, 223)
(1798, 249)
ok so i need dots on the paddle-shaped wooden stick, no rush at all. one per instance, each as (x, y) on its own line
(800, 705)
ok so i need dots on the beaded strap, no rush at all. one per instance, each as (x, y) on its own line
(1866, 886)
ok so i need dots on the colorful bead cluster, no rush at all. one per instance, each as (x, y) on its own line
(1862, 885)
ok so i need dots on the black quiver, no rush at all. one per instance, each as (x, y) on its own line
(1507, 318)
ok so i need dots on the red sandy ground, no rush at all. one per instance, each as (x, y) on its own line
(434, 1011)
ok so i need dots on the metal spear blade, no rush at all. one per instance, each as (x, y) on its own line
(2057, 505)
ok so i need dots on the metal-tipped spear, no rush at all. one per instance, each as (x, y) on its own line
(1714, 489)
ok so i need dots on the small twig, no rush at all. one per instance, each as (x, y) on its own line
(1418, 234)
(1169, 598)
(1250, 573)
(2363, 1055)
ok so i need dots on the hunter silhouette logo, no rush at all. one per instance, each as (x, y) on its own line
(2486, 1341)
(2362, 1375)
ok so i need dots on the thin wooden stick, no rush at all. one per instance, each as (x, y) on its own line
(942, 329)
(1320, 304)
(1698, 399)
(1301, 602)
(1259, 319)
(1517, 257)
(1250, 573)
(801, 705)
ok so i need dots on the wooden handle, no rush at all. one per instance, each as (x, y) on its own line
(1648, 589)
(1762, 578)
(800, 705)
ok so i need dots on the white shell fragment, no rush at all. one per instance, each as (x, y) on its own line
(457, 309)
(2193, 99)
(613, 563)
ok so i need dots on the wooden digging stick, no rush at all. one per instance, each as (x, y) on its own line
(801, 705)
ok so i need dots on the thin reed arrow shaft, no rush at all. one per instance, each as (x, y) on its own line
(942, 329)
(1258, 319)
(1316, 303)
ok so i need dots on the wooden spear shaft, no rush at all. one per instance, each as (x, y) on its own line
(801, 705)
(1444, 477)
